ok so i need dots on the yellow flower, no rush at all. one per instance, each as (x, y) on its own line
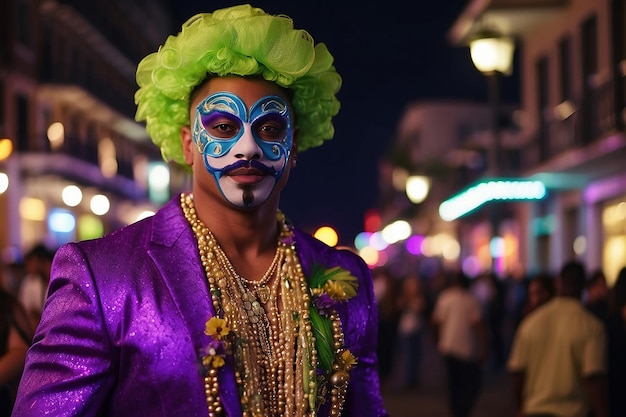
(217, 328)
(347, 359)
(213, 361)
(335, 290)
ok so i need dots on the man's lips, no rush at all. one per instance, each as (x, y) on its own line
(246, 176)
(248, 172)
(245, 171)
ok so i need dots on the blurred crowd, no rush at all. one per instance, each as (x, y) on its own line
(571, 319)
(23, 288)
(483, 323)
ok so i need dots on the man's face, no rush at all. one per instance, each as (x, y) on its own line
(245, 136)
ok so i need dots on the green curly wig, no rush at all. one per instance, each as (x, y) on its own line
(245, 41)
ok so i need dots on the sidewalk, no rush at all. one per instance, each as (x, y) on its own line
(430, 399)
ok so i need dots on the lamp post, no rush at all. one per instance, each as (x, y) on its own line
(492, 55)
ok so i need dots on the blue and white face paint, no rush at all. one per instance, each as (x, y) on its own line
(245, 151)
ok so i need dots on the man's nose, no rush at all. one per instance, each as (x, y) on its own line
(246, 147)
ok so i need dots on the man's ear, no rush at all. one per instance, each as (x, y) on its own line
(294, 150)
(294, 156)
(188, 145)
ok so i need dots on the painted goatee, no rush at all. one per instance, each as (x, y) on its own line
(248, 196)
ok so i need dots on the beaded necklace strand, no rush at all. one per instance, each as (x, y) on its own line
(274, 349)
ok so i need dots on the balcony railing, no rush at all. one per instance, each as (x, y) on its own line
(569, 126)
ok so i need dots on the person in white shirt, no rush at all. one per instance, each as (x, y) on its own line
(459, 330)
(558, 357)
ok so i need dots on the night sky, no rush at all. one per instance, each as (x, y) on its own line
(389, 54)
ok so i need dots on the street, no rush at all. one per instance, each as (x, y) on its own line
(430, 398)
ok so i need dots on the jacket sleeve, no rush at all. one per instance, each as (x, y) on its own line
(363, 398)
(359, 317)
(69, 370)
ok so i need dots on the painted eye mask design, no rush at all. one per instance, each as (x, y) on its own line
(232, 138)
(223, 118)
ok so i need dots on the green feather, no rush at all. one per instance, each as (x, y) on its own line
(320, 276)
(323, 338)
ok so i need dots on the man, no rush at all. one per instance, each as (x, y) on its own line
(558, 357)
(33, 287)
(597, 295)
(461, 339)
(216, 305)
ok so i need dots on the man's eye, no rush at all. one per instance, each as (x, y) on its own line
(223, 130)
(223, 127)
(271, 132)
(271, 128)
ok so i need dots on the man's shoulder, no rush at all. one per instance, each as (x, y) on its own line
(162, 226)
(315, 252)
(308, 243)
(560, 309)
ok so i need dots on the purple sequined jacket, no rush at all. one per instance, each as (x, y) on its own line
(124, 323)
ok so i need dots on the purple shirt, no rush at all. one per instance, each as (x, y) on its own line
(124, 322)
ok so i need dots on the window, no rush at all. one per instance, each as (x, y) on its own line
(565, 65)
(22, 122)
(542, 105)
(2, 109)
(589, 39)
(24, 25)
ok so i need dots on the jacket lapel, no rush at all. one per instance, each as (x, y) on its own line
(175, 253)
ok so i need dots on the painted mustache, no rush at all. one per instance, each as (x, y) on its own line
(251, 164)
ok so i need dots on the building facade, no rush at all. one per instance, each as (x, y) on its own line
(447, 143)
(573, 95)
(75, 163)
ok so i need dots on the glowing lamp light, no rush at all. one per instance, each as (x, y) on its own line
(417, 187)
(471, 266)
(396, 231)
(492, 53)
(377, 241)
(327, 235)
(32, 209)
(414, 244)
(451, 250)
(580, 245)
(99, 204)
(362, 240)
(496, 247)
(89, 227)
(56, 135)
(4, 182)
(490, 190)
(107, 157)
(369, 255)
(6, 148)
(158, 182)
(61, 221)
(71, 195)
(372, 221)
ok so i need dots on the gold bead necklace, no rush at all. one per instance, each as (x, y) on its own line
(274, 348)
(261, 288)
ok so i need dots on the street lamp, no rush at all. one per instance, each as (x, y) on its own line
(417, 188)
(492, 54)
(6, 148)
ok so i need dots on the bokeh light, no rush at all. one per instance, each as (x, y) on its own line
(6, 148)
(4, 182)
(72, 195)
(56, 135)
(99, 204)
(327, 235)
